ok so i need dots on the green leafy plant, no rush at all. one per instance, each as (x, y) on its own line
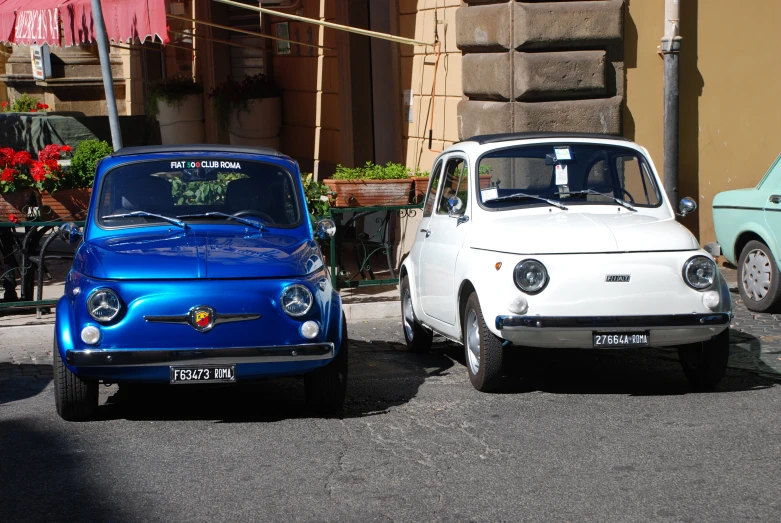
(370, 171)
(231, 95)
(171, 91)
(83, 164)
(24, 104)
(316, 194)
(203, 193)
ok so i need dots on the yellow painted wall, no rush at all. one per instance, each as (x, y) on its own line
(417, 19)
(730, 79)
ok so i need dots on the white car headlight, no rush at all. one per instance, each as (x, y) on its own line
(103, 305)
(699, 272)
(530, 276)
(296, 300)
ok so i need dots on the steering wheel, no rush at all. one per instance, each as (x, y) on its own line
(252, 212)
(614, 188)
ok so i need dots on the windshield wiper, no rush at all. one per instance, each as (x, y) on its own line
(524, 195)
(227, 216)
(178, 223)
(592, 191)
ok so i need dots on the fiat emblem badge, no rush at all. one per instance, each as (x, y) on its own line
(202, 318)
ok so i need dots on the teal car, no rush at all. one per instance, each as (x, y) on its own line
(748, 229)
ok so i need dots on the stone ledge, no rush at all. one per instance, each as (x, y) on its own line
(568, 74)
(475, 117)
(567, 24)
(601, 115)
(487, 76)
(484, 28)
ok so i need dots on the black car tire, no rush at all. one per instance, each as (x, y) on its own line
(418, 337)
(745, 270)
(76, 398)
(489, 373)
(326, 387)
(705, 364)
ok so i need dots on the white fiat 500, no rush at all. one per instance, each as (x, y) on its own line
(559, 240)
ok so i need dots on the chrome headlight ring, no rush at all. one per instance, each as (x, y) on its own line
(296, 300)
(699, 272)
(103, 304)
(531, 276)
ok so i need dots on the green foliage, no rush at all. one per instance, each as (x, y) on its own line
(83, 164)
(484, 169)
(25, 104)
(231, 95)
(421, 174)
(203, 193)
(370, 171)
(316, 194)
(171, 91)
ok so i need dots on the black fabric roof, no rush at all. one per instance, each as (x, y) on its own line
(198, 148)
(505, 137)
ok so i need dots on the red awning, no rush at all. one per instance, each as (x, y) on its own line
(69, 22)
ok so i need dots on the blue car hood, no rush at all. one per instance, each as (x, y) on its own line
(197, 254)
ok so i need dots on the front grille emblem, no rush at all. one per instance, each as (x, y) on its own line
(618, 278)
(202, 318)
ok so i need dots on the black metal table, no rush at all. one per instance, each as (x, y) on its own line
(366, 245)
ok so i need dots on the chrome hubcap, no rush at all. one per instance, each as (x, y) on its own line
(473, 342)
(756, 275)
(409, 317)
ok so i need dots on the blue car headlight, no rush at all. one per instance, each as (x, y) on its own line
(103, 305)
(296, 300)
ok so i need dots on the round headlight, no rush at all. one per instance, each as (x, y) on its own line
(530, 276)
(103, 305)
(296, 300)
(699, 272)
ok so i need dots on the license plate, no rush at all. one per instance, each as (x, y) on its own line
(204, 374)
(606, 340)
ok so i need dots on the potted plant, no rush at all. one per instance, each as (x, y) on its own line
(24, 104)
(177, 105)
(15, 190)
(317, 197)
(250, 110)
(69, 197)
(371, 184)
(420, 179)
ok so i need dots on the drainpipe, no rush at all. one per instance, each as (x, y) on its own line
(105, 69)
(671, 48)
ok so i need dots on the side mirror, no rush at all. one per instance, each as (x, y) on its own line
(325, 229)
(70, 233)
(686, 206)
(454, 206)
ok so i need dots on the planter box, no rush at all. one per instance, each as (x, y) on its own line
(65, 204)
(15, 202)
(421, 184)
(365, 193)
(259, 126)
(183, 124)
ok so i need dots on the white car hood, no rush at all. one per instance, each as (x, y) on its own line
(572, 232)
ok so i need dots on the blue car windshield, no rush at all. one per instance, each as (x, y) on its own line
(198, 190)
(567, 174)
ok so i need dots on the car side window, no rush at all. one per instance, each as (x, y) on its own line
(456, 185)
(433, 185)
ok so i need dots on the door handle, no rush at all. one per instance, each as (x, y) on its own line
(427, 231)
(776, 198)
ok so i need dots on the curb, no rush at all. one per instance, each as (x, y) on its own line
(378, 310)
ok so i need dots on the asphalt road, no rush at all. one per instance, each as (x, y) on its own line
(573, 436)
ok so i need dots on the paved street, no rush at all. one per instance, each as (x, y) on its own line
(574, 436)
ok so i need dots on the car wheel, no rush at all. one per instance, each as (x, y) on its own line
(76, 399)
(704, 364)
(758, 277)
(418, 337)
(326, 387)
(483, 349)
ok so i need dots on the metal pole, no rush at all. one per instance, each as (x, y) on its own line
(671, 47)
(105, 69)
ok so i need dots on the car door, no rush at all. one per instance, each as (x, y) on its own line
(445, 233)
(770, 189)
(428, 211)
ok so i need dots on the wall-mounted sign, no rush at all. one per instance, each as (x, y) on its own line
(41, 60)
(283, 31)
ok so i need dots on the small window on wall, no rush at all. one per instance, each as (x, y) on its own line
(433, 185)
(456, 185)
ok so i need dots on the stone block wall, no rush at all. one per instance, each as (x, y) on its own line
(540, 66)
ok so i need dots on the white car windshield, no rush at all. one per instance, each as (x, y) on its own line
(567, 173)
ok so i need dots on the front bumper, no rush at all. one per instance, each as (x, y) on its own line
(145, 357)
(578, 331)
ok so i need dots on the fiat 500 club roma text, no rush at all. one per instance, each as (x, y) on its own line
(197, 265)
(550, 240)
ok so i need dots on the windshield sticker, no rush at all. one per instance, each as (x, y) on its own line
(562, 153)
(206, 164)
(561, 174)
(491, 193)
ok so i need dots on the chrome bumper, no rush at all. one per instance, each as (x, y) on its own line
(146, 358)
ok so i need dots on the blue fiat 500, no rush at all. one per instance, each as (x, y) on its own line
(197, 264)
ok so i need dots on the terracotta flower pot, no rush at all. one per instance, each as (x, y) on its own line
(15, 203)
(65, 204)
(366, 193)
(421, 184)
(485, 181)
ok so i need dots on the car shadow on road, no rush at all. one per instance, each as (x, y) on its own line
(634, 372)
(23, 380)
(381, 376)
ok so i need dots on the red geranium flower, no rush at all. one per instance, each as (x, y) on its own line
(33, 110)
(66, 149)
(38, 105)
(50, 152)
(6, 157)
(38, 171)
(22, 158)
(8, 175)
(12, 217)
(4, 104)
